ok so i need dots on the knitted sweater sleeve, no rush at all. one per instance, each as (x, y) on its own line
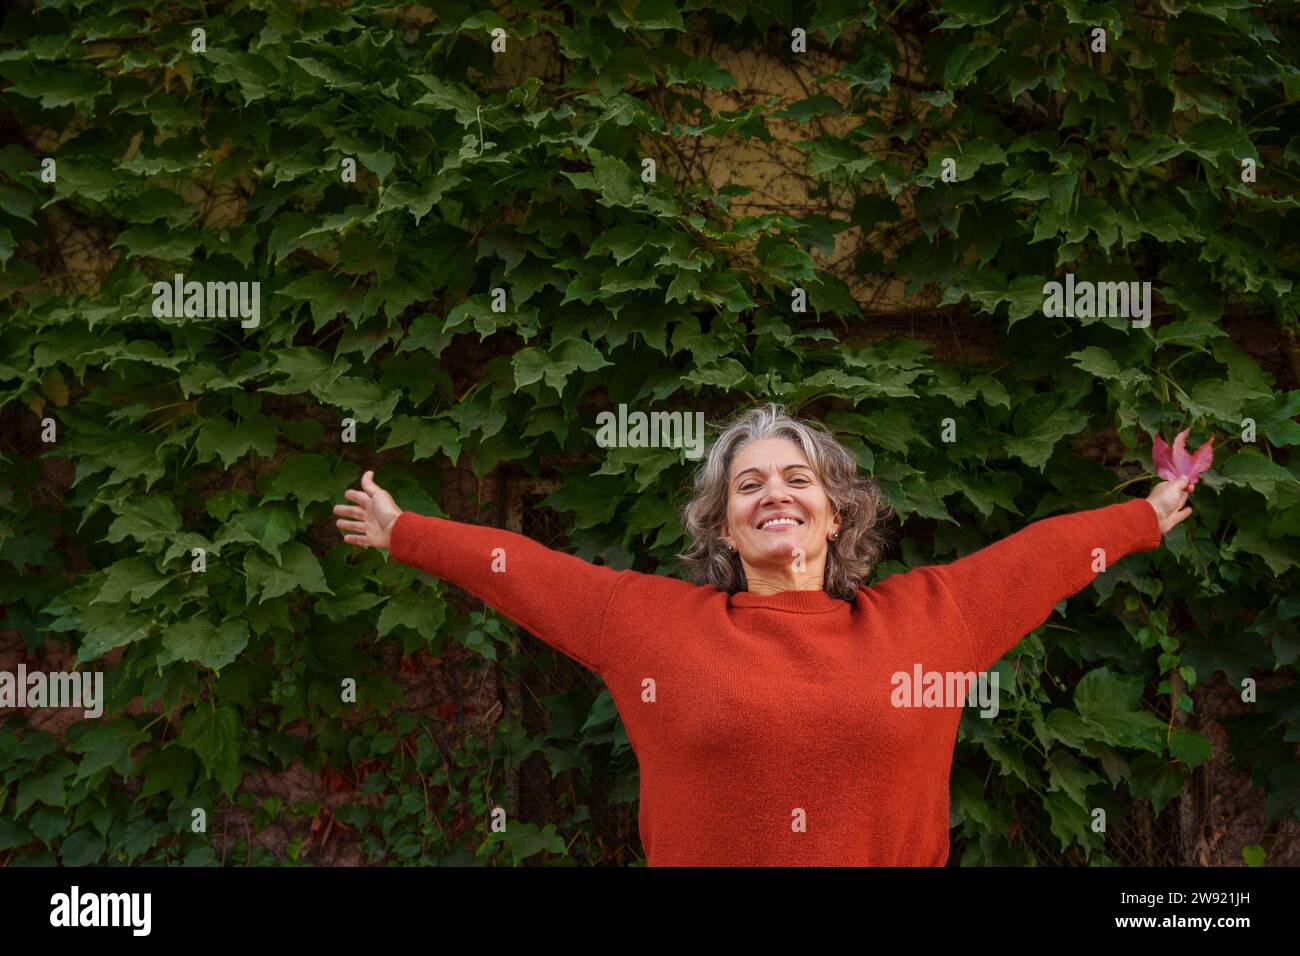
(1005, 590)
(558, 597)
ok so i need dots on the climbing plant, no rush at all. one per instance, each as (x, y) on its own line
(368, 175)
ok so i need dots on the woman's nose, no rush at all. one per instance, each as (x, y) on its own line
(778, 493)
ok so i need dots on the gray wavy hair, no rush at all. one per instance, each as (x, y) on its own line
(858, 500)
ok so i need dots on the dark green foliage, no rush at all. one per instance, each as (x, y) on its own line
(183, 433)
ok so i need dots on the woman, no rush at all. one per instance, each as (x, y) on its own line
(761, 702)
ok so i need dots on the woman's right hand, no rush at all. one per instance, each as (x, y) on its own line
(371, 518)
(1168, 499)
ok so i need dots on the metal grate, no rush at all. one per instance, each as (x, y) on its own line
(525, 515)
(1136, 838)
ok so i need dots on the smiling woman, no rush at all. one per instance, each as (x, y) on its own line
(760, 702)
(768, 466)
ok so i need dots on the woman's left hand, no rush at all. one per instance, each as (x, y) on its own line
(1168, 499)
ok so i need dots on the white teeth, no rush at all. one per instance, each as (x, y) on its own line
(768, 524)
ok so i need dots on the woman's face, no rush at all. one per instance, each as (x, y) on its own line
(772, 477)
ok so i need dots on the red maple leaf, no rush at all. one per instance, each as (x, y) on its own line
(1173, 463)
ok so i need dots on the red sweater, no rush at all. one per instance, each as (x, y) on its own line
(763, 723)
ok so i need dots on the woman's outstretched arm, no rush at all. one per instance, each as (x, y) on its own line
(1008, 588)
(559, 597)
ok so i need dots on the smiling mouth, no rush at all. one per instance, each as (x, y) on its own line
(779, 524)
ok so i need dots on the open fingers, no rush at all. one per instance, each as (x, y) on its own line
(360, 497)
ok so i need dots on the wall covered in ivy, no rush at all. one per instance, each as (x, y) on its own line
(851, 208)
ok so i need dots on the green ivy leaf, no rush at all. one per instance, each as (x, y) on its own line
(1155, 779)
(1070, 776)
(159, 242)
(203, 641)
(167, 770)
(805, 109)
(55, 87)
(1096, 361)
(1222, 400)
(1035, 446)
(1070, 822)
(1189, 747)
(46, 787)
(298, 569)
(219, 438)
(360, 398)
(416, 611)
(214, 733)
(1110, 706)
(532, 364)
(108, 744)
(447, 95)
(647, 15)
(1280, 553)
(427, 437)
(82, 849)
(308, 479)
(107, 628)
(133, 579)
(148, 519)
(967, 60)
(612, 179)
(1250, 469)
